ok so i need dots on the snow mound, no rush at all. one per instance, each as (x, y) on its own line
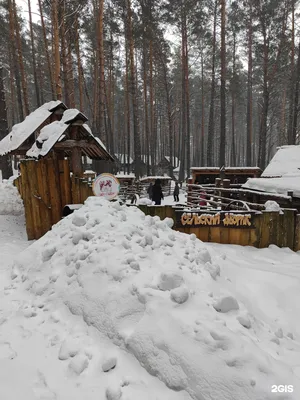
(157, 296)
(271, 205)
(10, 200)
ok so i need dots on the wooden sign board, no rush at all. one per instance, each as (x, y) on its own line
(224, 219)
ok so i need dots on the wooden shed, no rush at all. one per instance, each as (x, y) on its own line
(52, 142)
(236, 175)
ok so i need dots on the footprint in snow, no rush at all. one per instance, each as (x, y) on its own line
(42, 390)
(6, 351)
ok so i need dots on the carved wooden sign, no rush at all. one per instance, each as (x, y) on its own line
(224, 219)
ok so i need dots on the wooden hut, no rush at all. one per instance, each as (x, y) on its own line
(166, 165)
(236, 175)
(52, 140)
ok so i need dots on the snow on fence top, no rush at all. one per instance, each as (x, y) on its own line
(226, 168)
(21, 132)
(286, 161)
(146, 178)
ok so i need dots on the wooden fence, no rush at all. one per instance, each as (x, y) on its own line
(282, 230)
(46, 186)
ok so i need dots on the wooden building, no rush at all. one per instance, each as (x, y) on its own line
(52, 142)
(236, 175)
(166, 165)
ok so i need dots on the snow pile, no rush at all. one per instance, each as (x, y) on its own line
(160, 296)
(271, 205)
(20, 132)
(10, 200)
(281, 175)
(285, 162)
(145, 201)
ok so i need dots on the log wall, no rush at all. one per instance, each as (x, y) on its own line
(282, 230)
(46, 187)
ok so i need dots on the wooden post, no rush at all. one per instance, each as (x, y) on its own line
(77, 167)
(226, 183)
(27, 201)
(297, 233)
(42, 178)
(54, 189)
(67, 181)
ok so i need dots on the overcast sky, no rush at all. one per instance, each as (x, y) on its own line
(34, 8)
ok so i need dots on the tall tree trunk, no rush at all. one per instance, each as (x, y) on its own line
(211, 120)
(265, 107)
(153, 143)
(63, 39)
(146, 116)
(296, 100)
(137, 142)
(202, 161)
(50, 72)
(5, 161)
(127, 103)
(36, 86)
(249, 91)
(57, 75)
(291, 138)
(79, 66)
(70, 76)
(20, 60)
(222, 160)
(14, 59)
(101, 67)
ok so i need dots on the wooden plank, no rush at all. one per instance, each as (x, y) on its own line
(290, 221)
(274, 222)
(46, 222)
(62, 183)
(27, 202)
(297, 233)
(67, 182)
(214, 234)
(265, 230)
(54, 190)
(32, 167)
(224, 235)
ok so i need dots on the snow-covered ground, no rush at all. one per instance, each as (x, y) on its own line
(113, 305)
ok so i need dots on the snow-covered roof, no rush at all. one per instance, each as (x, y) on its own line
(286, 161)
(275, 185)
(71, 114)
(22, 131)
(281, 175)
(56, 131)
(49, 135)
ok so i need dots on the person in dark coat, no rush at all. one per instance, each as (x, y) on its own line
(150, 191)
(157, 194)
(176, 192)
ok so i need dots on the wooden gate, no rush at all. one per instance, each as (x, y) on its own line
(46, 186)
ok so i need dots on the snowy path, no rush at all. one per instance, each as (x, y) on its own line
(13, 240)
(45, 350)
(79, 322)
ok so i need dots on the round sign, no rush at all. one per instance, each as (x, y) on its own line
(106, 186)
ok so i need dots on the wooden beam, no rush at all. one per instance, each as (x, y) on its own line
(71, 144)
